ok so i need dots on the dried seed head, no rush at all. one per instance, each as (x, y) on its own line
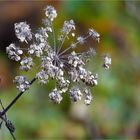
(66, 66)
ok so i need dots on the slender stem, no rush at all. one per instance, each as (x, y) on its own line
(15, 100)
(65, 51)
(24, 49)
(5, 120)
(9, 106)
(54, 38)
(1, 116)
(74, 44)
(64, 56)
(14, 138)
(61, 44)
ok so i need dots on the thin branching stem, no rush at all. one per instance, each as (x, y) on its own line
(14, 138)
(4, 118)
(61, 44)
(3, 113)
(74, 45)
(54, 37)
(15, 99)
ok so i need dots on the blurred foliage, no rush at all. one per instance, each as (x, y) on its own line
(115, 111)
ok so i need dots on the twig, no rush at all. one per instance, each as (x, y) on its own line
(3, 116)
(15, 100)
(8, 123)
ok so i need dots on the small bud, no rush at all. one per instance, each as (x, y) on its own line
(94, 34)
(81, 40)
(107, 62)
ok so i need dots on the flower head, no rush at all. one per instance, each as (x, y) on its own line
(66, 67)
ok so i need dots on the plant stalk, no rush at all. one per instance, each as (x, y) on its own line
(15, 100)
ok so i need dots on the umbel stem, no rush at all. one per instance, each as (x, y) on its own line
(15, 99)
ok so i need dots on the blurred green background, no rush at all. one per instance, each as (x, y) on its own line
(115, 111)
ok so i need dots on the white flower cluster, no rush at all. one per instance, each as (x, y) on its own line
(55, 96)
(75, 94)
(22, 83)
(23, 31)
(88, 96)
(26, 63)
(35, 49)
(68, 26)
(42, 76)
(14, 52)
(50, 12)
(65, 66)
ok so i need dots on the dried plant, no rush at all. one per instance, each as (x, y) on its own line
(65, 66)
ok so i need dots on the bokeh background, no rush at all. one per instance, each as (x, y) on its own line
(115, 111)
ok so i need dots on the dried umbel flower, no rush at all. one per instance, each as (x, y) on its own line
(66, 66)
